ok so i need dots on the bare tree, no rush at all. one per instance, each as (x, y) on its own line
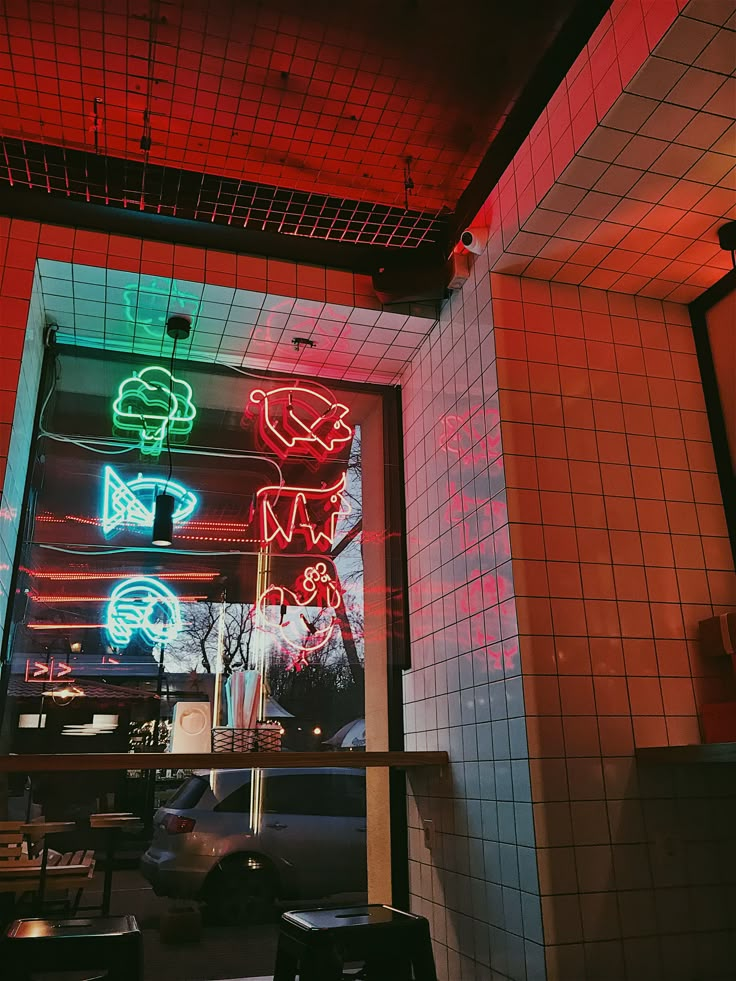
(196, 648)
(325, 691)
(198, 642)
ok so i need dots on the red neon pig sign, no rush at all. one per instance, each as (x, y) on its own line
(294, 420)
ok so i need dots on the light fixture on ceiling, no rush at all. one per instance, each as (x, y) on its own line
(178, 328)
(163, 520)
(298, 342)
(727, 239)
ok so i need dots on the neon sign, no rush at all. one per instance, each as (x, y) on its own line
(149, 307)
(303, 635)
(299, 420)
(287, 511)
(40, 671)
(84, 576)
(132, 503)
(143, 604)
(154, 406)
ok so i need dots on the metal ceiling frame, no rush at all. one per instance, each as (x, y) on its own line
(359, 255)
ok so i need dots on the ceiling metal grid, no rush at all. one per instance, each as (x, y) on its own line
(145, 187)
(385, 101)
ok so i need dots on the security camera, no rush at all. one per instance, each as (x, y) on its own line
(474, 239)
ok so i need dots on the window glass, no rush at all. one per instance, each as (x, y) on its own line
(248, 632)
(350, 795)
(238, 801)
(189, 794)
(327, 794)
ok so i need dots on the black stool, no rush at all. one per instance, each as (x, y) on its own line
(112, 943)
(316, 943)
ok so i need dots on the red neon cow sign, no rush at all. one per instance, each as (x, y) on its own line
(282, 612)
(295, 420)
(313, 513)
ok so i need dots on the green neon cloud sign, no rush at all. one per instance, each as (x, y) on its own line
(154, 405)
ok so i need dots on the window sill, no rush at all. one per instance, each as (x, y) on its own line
(695, 753)
(32, 763)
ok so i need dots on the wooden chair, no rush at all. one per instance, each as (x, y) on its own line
(20, 873)
(12, 844)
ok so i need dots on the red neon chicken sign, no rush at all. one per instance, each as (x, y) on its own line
(312, 513)
(283, 613)
(294, 420)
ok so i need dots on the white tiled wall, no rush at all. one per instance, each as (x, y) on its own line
(478, 884)
(20, 441)
(635, 866)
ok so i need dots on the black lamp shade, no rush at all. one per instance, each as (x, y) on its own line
(163, 520)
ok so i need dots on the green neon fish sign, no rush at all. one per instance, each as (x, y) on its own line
(154, 406)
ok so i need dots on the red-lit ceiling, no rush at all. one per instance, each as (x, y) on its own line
(316, 95)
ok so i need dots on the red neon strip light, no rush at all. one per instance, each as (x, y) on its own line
(210, 538)
(64, 626)
(80, 576)
(303, 504)
(43, 598)
(299, 420)
(233, 526)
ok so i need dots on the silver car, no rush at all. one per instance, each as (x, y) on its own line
(311, 842)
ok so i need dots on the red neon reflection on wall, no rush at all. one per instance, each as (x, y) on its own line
(40, 671)
(478, 517)
(287, 511)
(472, 436)
(295, 420)
(302, 636)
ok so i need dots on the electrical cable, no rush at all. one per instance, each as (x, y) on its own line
(102, 444)
(132, 548)
(193, 451)
(42, 431)
(168, 421)
(84, 446)
(313, 383)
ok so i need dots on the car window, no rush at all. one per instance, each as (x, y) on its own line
(238, 801)
(326, 794)
(189, 794)
(350, 795)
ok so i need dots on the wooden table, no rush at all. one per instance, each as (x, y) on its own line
(114, 824)
(42, 829)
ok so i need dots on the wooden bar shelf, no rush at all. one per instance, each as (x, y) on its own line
(37, 763)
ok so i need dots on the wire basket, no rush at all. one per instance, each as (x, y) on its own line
(263, 739)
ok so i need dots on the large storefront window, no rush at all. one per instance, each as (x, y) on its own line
(252, 630)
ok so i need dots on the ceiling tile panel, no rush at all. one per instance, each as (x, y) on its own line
(349, 343)
(335, 99)
(662, 173)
